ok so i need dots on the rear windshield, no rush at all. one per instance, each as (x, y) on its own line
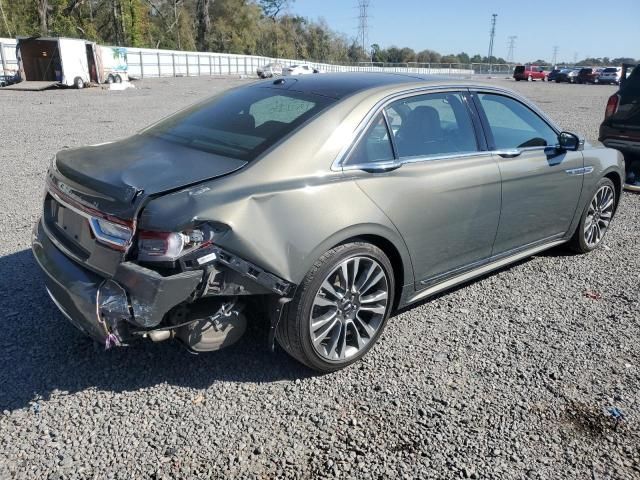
(519, 69)
(610, 70)
(242, 123)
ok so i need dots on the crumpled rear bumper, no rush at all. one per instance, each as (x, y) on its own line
(72, 288)
(146, 295)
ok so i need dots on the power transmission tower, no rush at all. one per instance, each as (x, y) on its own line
(512, 46)
(492, 34)
(555, 55)
(363, 23)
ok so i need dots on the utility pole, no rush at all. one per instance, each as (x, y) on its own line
(575, 58)
(555, 55)
(363, 23)
(512, 46)
(492, 34)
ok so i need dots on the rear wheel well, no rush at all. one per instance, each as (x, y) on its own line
(394, 256)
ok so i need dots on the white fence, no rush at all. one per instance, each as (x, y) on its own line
(144, 62)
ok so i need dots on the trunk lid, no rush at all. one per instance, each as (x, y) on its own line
(115, 177)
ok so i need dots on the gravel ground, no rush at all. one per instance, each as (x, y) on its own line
(507, 377)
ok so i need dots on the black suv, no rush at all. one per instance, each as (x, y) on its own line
(621, 126)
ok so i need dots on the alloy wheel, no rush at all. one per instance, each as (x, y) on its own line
(599, 215)
(349, 308)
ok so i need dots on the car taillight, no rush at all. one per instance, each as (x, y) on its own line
(612, 106)
(158, 246)
(169, 246)
(117, 235)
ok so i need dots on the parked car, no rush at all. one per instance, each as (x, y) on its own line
(182, 229)
(588, 75)
(611, 75)
(298, 70)
(621, 126)
(529, 73)
(568, 75)
(552, 74)
(6, 80)
(270, 70)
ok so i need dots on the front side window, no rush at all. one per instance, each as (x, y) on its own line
(514, 125)
(242, 123)
(434, 124)
(374, 146)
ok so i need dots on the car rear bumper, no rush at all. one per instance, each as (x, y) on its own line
(134, 300)
(72, 288)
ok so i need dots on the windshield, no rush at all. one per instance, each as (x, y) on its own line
(242, 123)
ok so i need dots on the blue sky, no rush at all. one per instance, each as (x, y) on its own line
(594, 28)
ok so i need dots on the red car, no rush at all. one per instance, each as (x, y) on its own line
(530, 73)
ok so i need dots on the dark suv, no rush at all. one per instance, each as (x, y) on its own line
(588, 75)
(621, 126)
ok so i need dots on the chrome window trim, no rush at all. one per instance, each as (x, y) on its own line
(408, 160)
(339, 163)
(342, 157)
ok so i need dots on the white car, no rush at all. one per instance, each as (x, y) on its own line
(298, 70)
(610, 75)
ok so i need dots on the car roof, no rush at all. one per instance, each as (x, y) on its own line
(340, 85)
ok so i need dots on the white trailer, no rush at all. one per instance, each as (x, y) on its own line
(112, 64)
(72, 62)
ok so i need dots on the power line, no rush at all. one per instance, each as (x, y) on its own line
(363, 23)
(512, 46)
(492, 34)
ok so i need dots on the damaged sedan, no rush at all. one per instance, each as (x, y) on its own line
(317, 204)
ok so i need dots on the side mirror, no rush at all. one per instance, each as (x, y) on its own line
(569, 141)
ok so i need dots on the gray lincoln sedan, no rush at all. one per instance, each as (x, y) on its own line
(318, 204)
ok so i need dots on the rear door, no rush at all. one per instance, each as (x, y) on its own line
(420, 162)
(540, 185)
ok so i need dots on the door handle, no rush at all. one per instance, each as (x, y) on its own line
(381, 167)
(509, 153)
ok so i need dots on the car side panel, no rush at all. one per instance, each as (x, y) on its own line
(283, 227)
(447, 210)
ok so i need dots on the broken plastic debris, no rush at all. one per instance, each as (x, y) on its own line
(592, 294)
(111, 341)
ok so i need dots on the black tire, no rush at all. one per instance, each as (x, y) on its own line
(578, 242)
(110, 79)
(78, 83)
(294, 331)
(118, 79)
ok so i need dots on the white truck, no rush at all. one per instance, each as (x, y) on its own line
(46, 61)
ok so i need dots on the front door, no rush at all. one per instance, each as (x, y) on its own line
(441, 191)
(540, 184)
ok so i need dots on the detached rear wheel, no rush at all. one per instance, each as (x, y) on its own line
(596, 218)
(340, 308)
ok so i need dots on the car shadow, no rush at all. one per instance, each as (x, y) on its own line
(41, 352)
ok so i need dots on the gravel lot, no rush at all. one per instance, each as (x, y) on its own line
(507, 377)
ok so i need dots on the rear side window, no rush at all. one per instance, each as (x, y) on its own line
(242, 123)
(432, 125)
(374, 146)
(514, 125)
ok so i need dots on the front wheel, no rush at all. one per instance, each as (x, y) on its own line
(596, 218)
(340, 309)
(78, 83)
